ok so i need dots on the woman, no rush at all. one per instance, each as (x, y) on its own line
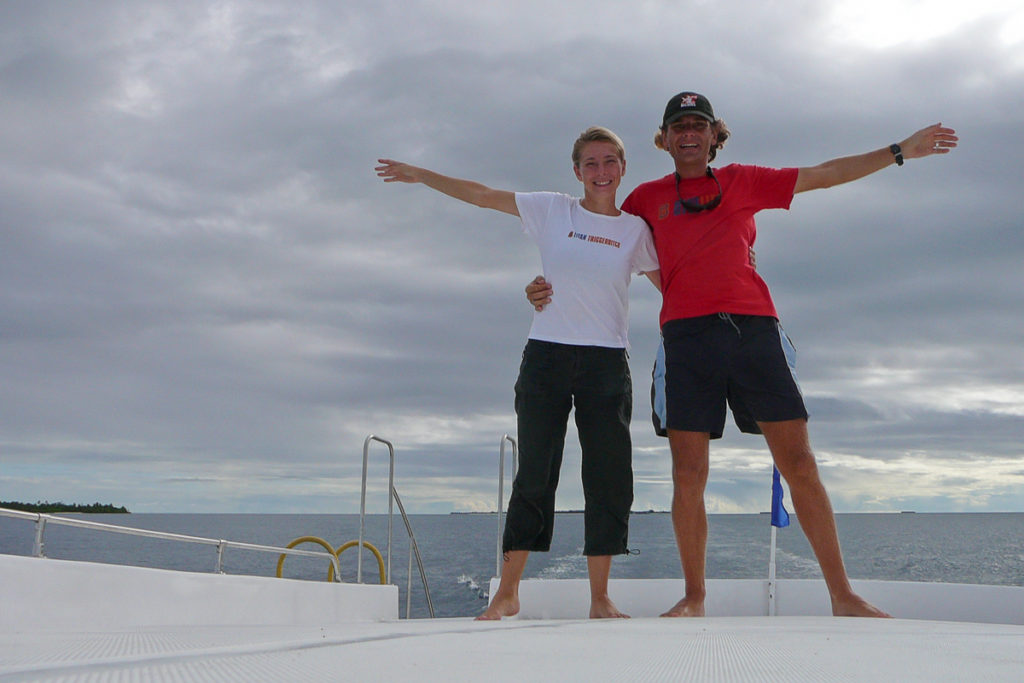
(575, 354)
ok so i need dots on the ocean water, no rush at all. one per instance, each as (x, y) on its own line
(459, 550)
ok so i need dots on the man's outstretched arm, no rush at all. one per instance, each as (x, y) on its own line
(538, 291)
(934, 139)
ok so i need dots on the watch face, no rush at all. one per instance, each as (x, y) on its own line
(897, 152)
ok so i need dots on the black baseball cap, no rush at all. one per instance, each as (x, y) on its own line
(685, 104)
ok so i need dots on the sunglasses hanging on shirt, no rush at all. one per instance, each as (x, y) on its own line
(695, 206)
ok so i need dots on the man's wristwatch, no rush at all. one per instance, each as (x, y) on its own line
(897, 153)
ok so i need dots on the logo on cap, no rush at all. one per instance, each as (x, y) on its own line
(687, 101)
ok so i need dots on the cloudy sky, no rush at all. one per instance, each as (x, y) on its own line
(208, 299)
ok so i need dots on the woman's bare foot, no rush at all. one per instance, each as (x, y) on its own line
(604, 608)
(687, 607)
(500, 607)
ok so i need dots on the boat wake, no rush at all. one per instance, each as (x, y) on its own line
(571, 566)
(472, 585)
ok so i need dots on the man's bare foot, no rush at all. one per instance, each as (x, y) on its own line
(500, 607)
(604, 608)
(687, 607)
(856, 606)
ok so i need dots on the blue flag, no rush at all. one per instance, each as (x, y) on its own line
(780, 517)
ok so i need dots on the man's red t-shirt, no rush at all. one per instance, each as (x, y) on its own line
(705, 256)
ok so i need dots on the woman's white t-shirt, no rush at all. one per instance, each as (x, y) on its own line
(588, 259)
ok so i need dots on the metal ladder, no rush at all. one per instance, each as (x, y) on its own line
(392, 498)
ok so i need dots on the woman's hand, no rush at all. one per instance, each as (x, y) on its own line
(396, 172)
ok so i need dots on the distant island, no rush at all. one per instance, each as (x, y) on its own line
(48, 507)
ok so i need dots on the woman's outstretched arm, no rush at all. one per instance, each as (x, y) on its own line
(468, 191)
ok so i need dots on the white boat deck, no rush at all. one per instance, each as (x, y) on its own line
(74, 621)
(787, 649)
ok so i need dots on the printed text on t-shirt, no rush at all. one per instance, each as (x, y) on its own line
(594, 238)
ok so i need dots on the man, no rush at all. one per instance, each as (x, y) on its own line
(723, 343)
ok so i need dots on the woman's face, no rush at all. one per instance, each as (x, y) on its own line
(600, 168)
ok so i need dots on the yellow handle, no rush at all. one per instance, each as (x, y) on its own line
(304, 539)
(366, 544)
(337, 553)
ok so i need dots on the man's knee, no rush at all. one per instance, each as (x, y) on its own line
(791, 448)
(797, 466)
(689, 470)
(689, 458)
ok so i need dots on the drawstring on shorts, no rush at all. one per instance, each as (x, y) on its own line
(728, 318)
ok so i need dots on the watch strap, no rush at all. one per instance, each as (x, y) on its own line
(897, 153)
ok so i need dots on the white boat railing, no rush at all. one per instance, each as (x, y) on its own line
(42, 519)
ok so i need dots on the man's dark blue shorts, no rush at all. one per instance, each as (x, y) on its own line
(744, 361)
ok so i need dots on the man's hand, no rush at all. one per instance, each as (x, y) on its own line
(934, 139)
(538, 293)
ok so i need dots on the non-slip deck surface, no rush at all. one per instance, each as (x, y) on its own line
(787, 649)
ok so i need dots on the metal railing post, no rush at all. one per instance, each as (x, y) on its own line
(362, 502)
(501, 491)
(415, 548)
(408, 583)
(37, 545)
(220, 556)
(771, 576)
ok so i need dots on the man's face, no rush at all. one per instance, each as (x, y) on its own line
(689, 139)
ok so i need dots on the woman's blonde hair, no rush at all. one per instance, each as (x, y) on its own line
(721, 135)
(596, 134)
